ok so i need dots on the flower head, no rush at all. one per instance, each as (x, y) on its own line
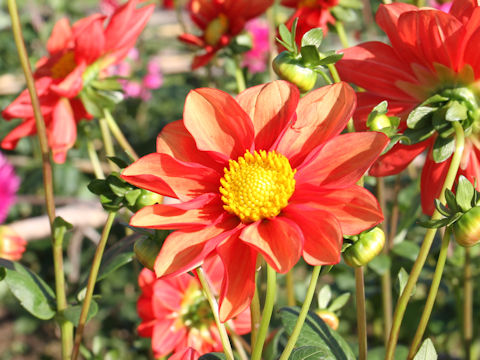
(219, 21)
(431, 52)
(177, 316)
(264, 173)
(12, 246)
(9, 183)
(256, 58)
(77, 54)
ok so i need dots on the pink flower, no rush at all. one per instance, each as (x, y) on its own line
(442, 6)
(9, 183)
(256, 58)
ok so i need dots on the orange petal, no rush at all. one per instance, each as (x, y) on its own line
(61, 36)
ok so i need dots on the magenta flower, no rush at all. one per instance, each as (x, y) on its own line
(9, 183)
(256, 58)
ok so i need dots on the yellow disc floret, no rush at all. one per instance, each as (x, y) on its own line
(258, 185)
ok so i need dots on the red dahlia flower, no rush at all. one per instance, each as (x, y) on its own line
(264, 173)
(177, 316)
(77, 54)
(311, 14)
(430, 51)
(219, 21)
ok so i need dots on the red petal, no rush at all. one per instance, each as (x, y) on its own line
(191, 39)
(343, 160)
(61, 36)
(204, 59)
(218, 123)
(90, 42)
(186, 354)
(322, 233)
(62, 132)
(185, 250)
(238, 284)
(26, 128)
(165, 339)
(271, 107)
(168, 176)
(72, 84)
(463, 9)
(279, 240)
(202, 210)
(433, 177)
(321, 115)
(468, 48)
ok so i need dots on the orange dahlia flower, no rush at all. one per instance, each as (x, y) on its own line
(264, 173)
(430, 51)
(177, 317)
(86, 47)
(12, 245)
(219, 21)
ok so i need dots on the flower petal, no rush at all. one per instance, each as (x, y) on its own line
(238, 284)
(321, 115)
(322, 233)
(279, 240)
(164, 339)
(218, 123)
(185, 250)
(26, 128)
(90, 41)
(271, 107)
(433, 177)
(62, 132)
(343, 160)
(463, 9)
(61, 36)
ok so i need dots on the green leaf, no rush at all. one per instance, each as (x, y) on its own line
(380, 264)
(72, 313)
(309, 353)
(442, 209)
(346, 15)
(213, 356)
(420, 116)
(310, 55)
(401, 282)
(378, 353)
(316, 333)
(330, 59)
(88, 101)
(98, 186)
(353, 4)
(465, 193)
(436, 224)
(435, 99)
(451, 201)
(456, 111)
(60, 226)
(427, 351)
(324, 296)
(418, 135)
(313, 37)
(339, 302)
(110, 83)
(117, 161)
(132, 195)
(443, 149)
(32, 292)
(406, 249)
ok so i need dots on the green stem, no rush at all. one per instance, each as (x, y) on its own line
(303, 314)
(239, 77)
(325, 77)
(92, 279)
(426, 245)
(341, 33)
(432, 294)
(467, 305)
(361, 313)
(267, 313)
(92, 154)
(66, 328)
(107, 142)
(290, 288)
(334, 73)
(272, 34)
(117, 133)
(255, 314)
(207, 290)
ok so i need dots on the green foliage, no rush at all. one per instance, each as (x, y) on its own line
(427, 351)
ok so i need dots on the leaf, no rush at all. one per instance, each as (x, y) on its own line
(310, 55)
(465, 193)
(72, 313)
(213, 356)
(32, 292)
(378, 353)
(406, 249)
(451, 201)
(59, 227)
(435, 224)
(442, 209)
(132, 195)
(443, 149)
(313, 37)
(316, 333)
(330, 59)
(324, 296)
(418, 135)
(427, 351)
(354, 4)
(419, 116)
(309, 353)
(456, 111)
(347, 15)
(339, 302)
(117, 161)
(380, 264)
(401, 282)
(435, 99)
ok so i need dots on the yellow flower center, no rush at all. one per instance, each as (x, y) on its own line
(258, 185)
(64, 66)
(215, 30)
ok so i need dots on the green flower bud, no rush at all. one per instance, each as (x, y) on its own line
(146, 250)
(294, 71)
(367, 247)
(467, 229)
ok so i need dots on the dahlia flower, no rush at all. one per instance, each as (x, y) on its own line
(87, 47)
(256, 58)
(177, 316)
(266, 173)
(9, 183)
(12, 246)
(431, 51)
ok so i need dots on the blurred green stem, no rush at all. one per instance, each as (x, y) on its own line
(302, 315)
(334, 73)
(239, 77)
(361, 313)
(467, 305)
(107, 142)
(432, 294)
(266, 314)
(426, 244)
(117, 133)
(92, 279)
(207, 290)
(341, 33)
(255, 314)
(66, 328)
(92, 154)
(290, 288)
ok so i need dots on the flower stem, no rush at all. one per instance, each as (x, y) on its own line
(92, 154)
(432, 294)
(92, 279)
(290, 288)
(107, 142)
(207, 290)
(239, 77)
(467, 305)
(255, 314)
(327, 79)
(272, 34)
(361, 313)
(267, 313)
(66, 328)
(334, 73)
(303, 314)
(426, 245)
(117, 133)
(341, 33)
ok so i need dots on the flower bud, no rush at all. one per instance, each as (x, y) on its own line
(146, 198)
(146, 250)
(380, 122)
(367, 247)
(467, 229)
(12, 246)
(294, 71)
(329, 318)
